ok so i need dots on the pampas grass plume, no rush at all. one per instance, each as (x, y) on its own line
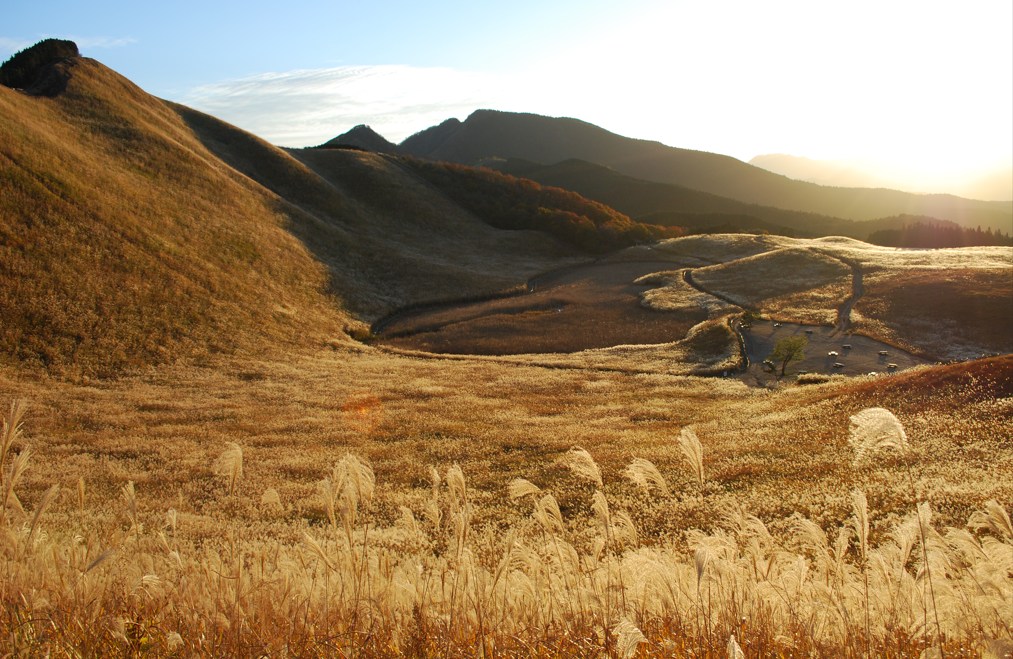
(734, 650)
(876, 428)
(521, 487)
(628, 637)
(644, 474)
(230, 464)
(691, 448)
(995, 519)
(582, 465)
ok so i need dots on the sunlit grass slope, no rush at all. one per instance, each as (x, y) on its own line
(124, 241)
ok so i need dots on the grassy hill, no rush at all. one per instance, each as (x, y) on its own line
(546, 140)
(135, 232)
(124, 242)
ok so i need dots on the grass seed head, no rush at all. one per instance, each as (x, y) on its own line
(993, 518)
(230, 464)
(692, 450)
(580, 462)
(521, 487)
(876, 428)
(628, 638)
(644, 474)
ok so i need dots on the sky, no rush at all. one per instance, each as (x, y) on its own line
(920, 92)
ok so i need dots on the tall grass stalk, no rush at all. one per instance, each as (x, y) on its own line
(874, 429)
(692, 450)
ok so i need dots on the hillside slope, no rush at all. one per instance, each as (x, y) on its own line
(136, 232)
(546, 140)
(124, 242)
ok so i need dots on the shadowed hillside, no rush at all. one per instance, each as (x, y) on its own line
(546, 140)
(509, 202)
(673, 205)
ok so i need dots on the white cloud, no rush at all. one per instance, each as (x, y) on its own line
(308, 107)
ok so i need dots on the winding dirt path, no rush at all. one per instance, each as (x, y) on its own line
(843, 325)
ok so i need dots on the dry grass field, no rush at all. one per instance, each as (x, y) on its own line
(752, 280)
(196, 459)
(959, 313)
(215, 511)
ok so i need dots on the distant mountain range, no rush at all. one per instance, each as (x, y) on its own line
(489, 136)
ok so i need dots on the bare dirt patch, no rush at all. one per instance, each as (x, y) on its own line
(826, 348)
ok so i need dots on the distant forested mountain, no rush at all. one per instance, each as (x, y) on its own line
(545, 140)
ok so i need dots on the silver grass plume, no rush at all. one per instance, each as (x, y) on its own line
(360, 477)
(130, 498)
(583, 465)
(701, 557)
(644, 474)
(628, 637)
(692, 450)
(10, 428)
(860, 506)
(230, 464)
(520, 487)
(734, 650)
(547, 514)
(876, 428)
(456, 484)
(993, 518)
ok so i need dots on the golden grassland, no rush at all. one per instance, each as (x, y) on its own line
(208, 466)
(217, 511)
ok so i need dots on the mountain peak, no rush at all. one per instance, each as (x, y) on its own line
(361, 137)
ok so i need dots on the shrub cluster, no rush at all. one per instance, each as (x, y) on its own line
(25, 67)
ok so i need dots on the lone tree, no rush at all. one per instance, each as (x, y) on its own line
(789, 349)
